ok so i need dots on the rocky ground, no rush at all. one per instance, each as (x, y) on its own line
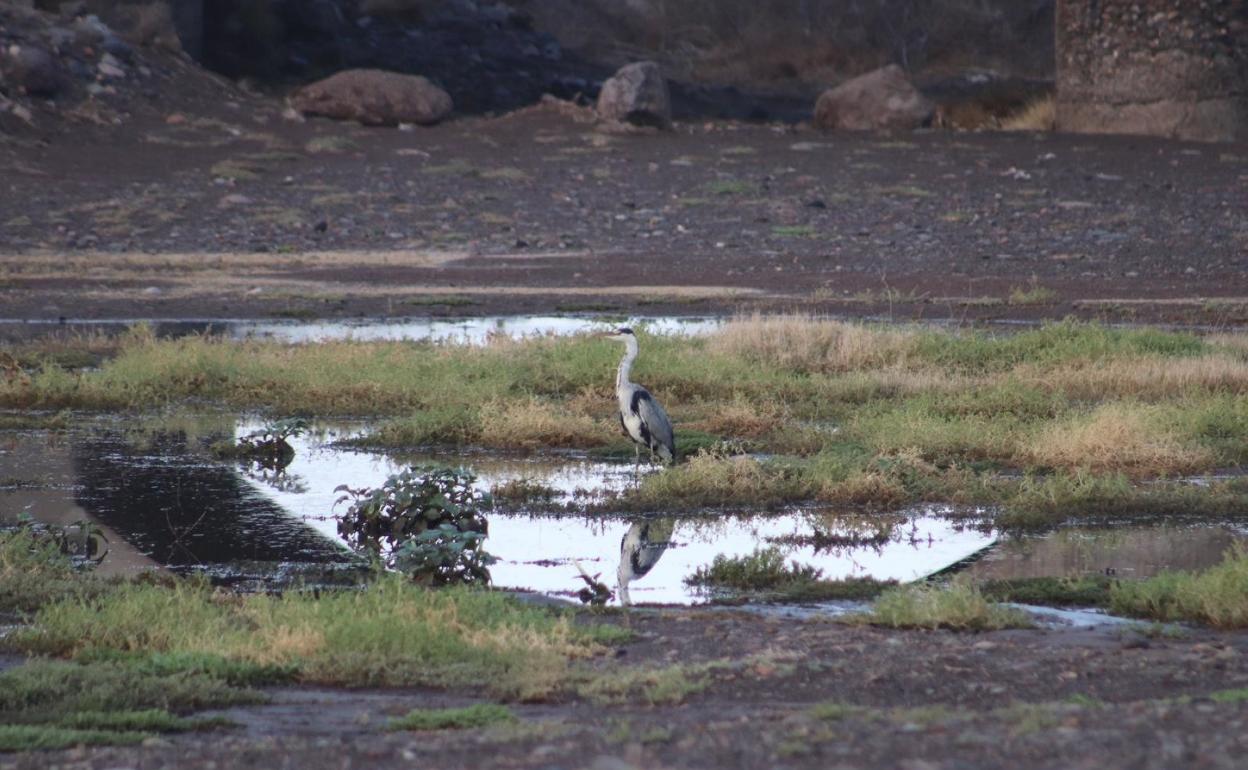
(788, 693)
(145, 186)
(237, 211)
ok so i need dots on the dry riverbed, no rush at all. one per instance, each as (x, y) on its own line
(232, 211)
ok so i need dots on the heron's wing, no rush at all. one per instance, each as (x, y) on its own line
(654, 418)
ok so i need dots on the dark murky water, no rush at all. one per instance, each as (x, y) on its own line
(163, 502)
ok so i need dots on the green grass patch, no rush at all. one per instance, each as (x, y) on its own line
(48, 737)
(468, 717)
(390, 634)
(34, 572)
(1033, 294)
(55, 704)
(958, 606)
(1217, 596)
(849, 413)
(655, 686)
(794, 231)
(764, 569)
(727, 187)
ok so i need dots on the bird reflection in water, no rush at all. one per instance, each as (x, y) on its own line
(640, 549)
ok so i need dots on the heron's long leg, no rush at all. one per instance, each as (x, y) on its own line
(636, 463)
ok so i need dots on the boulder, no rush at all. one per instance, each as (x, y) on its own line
(33, 70)
(883, 98)
(636, 94)
(375, 98)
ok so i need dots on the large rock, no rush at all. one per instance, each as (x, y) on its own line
(883, 98)
(636, 94)
(1170, 68)
(375, 98)
(32, 69)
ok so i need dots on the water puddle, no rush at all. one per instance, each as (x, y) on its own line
(472, 331)
(161, 501)
(1133, 551)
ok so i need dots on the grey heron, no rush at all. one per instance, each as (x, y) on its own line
(642, 418)
(640, 549)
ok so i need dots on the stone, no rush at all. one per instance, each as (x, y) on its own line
(636, 94)
(375, 98)
(110, 67)
(881, 99)
(34, 70)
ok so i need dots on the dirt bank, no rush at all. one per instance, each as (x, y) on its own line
(246, 214)
(1026, 699)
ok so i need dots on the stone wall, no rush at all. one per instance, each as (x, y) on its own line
(1173, 68)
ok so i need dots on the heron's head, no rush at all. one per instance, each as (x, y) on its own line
(622, 333)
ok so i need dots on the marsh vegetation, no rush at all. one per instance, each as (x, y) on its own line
(1063, 420)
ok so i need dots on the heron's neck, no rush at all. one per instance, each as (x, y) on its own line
(626, 363)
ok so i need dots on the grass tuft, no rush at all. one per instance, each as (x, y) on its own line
(1218, 596)
(467, 717)
(764, 569)
(959, 606)
(34, 572)
(1037, 115)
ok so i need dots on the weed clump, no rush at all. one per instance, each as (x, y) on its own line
(34, 571)
(1218, 596)
(712, 479)
(959, 606)
(268, 446)
(766, 568)
(467, 717)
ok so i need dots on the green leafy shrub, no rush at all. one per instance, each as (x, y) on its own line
(425, 521)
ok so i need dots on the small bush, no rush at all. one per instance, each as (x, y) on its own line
(425, 521)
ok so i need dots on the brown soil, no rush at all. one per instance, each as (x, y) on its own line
(237, 212)
(1024, 699)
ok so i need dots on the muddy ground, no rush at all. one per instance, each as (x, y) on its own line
(1100, 698)
(217, 206)
(213, 205)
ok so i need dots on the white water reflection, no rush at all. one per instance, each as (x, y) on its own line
(537, 552)
(471, 331)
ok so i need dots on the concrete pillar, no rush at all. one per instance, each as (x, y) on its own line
(1173, 68)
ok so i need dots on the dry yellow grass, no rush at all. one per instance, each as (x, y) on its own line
(1038, 115)
(870, 487)
(1126, 438)
(1234, 342)
(709, 479)
(800, 342)
(1147, 378)
(532, 423)
(741, 418)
